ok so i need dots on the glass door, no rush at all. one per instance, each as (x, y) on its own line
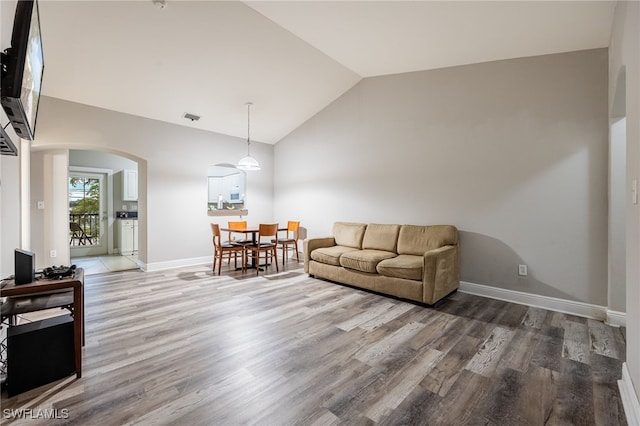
(87, 214)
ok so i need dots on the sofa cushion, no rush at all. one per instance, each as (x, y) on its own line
(418, 239)
(405, 266)
(381, 237)
(349, 234)
(330, 255)
(364, 260)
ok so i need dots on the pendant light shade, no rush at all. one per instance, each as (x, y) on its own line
(248, 162)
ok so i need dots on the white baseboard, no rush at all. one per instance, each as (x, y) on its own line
(629, 397)
(616, 318)
(159, 266)
(552, 303)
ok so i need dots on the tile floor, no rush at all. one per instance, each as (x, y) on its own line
(107, 263)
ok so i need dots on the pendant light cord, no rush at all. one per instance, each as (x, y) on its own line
(249, 128)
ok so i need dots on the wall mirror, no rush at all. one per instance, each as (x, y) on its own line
(226, 190)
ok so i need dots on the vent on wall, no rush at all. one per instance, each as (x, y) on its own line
(6, 146)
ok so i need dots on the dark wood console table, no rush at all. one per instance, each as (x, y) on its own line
(46, 294)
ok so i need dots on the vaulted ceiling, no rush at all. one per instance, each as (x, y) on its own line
(290, 58)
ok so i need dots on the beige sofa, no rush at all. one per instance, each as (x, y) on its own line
(412, 262)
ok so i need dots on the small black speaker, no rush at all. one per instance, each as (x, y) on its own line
(25, 266)
(38, 353)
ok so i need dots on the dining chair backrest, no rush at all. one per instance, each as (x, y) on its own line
(215, 230)
(267, 230)
(293, 227)
(237, 225)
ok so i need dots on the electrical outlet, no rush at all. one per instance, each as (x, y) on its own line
(522, 270)
(53, 253)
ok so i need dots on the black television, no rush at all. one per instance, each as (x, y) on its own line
(22, 70)
(25, 267)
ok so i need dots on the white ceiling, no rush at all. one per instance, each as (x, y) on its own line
(290, 58)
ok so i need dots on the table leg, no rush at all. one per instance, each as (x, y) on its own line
(253, 243)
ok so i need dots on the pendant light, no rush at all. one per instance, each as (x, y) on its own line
(248, 162)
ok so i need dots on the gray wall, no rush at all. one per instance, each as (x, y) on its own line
(617, 215)
(100, 160)
(172, 166)
(514, 153)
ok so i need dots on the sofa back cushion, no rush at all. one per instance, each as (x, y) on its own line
(418, 239)
(381, 237)
(349, 234)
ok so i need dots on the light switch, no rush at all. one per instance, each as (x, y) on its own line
(40, 205)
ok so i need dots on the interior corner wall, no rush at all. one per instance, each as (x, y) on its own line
(172, 166)
(513, 152)
(624, 57)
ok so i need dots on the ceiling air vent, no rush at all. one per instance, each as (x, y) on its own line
(191, 117)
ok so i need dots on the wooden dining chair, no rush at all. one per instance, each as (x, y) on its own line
(221, 249)
(290, 241)
(268, 232)
(238, 226)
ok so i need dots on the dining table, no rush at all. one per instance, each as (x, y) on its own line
(253, 230)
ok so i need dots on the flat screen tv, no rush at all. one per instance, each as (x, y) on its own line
(22, 69)
(25, 267)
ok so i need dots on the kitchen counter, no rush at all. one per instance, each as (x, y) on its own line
(126, 215)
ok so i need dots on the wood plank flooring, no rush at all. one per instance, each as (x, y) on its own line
(191, 348)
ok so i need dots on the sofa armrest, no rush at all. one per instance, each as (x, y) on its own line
(441, 273)
(310, 244)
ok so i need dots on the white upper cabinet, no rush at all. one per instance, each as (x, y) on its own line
(130, 185)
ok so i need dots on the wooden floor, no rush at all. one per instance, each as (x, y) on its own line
(186, 347)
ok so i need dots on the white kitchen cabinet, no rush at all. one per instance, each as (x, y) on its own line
(135, 236)
(129, 185)
(127, 236)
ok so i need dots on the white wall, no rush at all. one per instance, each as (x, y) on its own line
(49, 226)
(172, 166)
(624, 60)
(514, 153)
(9, 211)
(10, 236)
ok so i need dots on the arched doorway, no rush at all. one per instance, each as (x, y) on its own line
(106, 214)
(50, 224)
